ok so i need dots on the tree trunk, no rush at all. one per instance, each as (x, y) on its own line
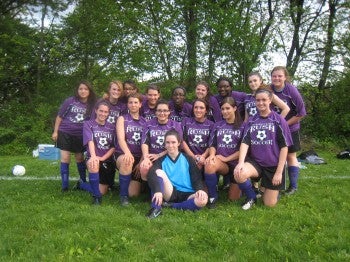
(328, 48)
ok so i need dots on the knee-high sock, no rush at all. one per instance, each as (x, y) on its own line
(124, 182)
(293, 174)
(186, 205)
(94, 181)
(212, 182)
(65, 175)
(82, 170)
(246, 187)
(86, 186)
(161, 184)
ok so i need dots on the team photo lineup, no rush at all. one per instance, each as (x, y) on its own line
(177, 151)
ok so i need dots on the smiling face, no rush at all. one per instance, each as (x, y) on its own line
(199, 111)
(278, 78)
(129, 89)
(228, 112)
(102, 113)
(224, 88)
(201, 91)
(254, 82)
(172, 145)
(263, 102)
(115, 91)
(152, 97)
(162, 113)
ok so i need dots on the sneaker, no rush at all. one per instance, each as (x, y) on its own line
(154, 212)
(96, 200)
(212, 203)
(248, 204)
(124, 201)
(290, 191)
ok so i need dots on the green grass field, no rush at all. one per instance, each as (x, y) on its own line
(39, 223)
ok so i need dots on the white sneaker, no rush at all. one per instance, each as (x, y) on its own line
(248, 204)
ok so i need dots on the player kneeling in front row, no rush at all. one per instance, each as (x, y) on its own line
(267, 137)
(176, 179)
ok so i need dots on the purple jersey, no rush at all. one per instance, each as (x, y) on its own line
(115, 110)
(133, 129)
(103, 136)
(226, 138)
(153, 134)
(146, 112)
(214, 113)
(291, 96)
(196, 134)
(250, 105)
(73, 114)
(179, 115)
(265, 137)
(239, 97)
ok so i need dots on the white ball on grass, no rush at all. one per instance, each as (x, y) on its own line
(18, 170)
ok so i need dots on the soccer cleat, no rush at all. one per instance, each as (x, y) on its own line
(212, 203)
(248, 204)
(124, 201)
(96, 200)
(154, 212)
(290, 191)
(64, 189)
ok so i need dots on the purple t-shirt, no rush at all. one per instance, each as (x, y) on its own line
(291, 96)
(179, 115)
(239, 98)
(116, 110)
(73, 114)
(103, 136)
(250, 105)
(226, 139)
(133, 129)
(265, 137)
(196, 134)
(153, 134)
(146, 112)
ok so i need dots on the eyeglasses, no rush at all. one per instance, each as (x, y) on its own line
(162, 111)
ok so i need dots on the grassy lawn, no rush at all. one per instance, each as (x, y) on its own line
(38, 222)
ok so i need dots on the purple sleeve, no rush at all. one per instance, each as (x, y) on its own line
(65, 107)
(87, 133)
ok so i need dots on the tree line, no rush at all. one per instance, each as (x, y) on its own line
(48, 45)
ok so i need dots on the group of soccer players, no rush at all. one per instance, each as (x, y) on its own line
(246, 138)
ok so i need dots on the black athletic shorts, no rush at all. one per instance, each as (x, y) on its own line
(296, 143)
(70, 143)
(266, 174)
(179, 196)
(107, 172)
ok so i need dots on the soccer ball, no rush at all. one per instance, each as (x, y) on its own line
(18, 170)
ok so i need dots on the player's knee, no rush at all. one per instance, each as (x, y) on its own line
(201, 202)
(270, 202)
